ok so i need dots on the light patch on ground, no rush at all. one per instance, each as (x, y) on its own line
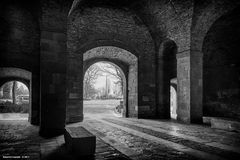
(14, 116)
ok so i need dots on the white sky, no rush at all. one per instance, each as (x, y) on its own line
(101, 80)
(21, 84)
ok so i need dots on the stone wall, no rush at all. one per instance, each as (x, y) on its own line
(206, 13)
(169, 20)
(36, 34)
(221, 68)
(117, 26)
(19, 42)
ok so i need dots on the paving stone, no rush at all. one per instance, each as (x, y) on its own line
(191, 144)
(146, 149)
(29, 144)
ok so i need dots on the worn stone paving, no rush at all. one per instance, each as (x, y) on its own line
(206, 143)
(54, 148)
(199, 131)
(123, 138)
(192, 144)
(20, 140)
(145, 149)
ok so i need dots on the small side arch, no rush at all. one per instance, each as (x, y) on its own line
(166, 70)
(22, 75)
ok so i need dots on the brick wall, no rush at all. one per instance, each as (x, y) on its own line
(221, 64)
(19, 42)
(98, 23)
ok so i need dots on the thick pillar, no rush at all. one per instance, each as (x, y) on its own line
(183, 90)
(75, 88)
(132, 95)
(53, 83)
(34, 90)
(163, 82)
(196, 86)
(189, 92)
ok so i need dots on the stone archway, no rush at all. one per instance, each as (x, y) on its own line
(128, 63)
(173, 98)
(190, 62)
(116, 55)
(24, 76)
(114, 74)
(111, 26)
(221, 68)
(167, 70)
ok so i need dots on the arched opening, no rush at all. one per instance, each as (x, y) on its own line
(123, 59)
(104, 90)
(167, 81)
(221, 68)
(24, 79)
(126, 62)
(14, 101)
(173, 98)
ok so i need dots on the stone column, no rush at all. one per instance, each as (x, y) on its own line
(34, 90)
(53, 83)
(132, 110)
(75, 88)
(196, 86)
(189, 92)
(163, 82)
(183, 90)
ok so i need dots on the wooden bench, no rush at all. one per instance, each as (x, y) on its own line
(79, 141)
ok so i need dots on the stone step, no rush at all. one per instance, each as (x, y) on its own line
(207, 120)
(224, 124)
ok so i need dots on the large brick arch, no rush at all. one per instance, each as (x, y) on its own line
(106, 26)
(190, 64)
(98, 23)
(128, 63)
(167, 70)
(111, 52)
(202, 22)
(221, 63)
(7, 72)
(102, 50)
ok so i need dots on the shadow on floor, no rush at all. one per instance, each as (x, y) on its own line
(61, 153)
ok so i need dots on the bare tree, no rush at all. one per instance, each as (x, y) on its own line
(7, 90)
(14, 86)
(115, 72)
(92, 73)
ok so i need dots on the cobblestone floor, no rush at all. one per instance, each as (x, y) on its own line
(123, 138)
(179, 140)
(55, 149)
(19, 139)
(143, 148)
